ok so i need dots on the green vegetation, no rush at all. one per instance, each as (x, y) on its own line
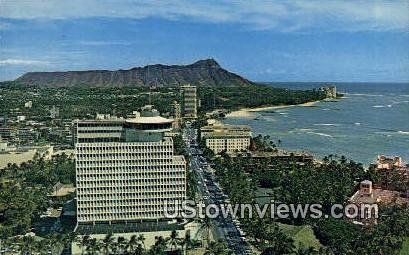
(24, 189)
(289, 182)
(405, 247)
(174, 244)
(393, 180)
(303, 236)
(191, 176)
(232, 98)
(81, 102)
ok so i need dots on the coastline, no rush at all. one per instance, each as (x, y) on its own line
(246, 112)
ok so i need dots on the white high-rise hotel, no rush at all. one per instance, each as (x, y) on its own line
(126, 169)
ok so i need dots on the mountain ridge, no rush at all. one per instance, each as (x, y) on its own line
(205, 72)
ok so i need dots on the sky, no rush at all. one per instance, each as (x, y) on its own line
(323, 41)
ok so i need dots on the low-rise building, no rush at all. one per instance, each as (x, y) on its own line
(229, 138)
(27, 135)
(7, 133)
(21, 118)
(393, 173)
(367, 194)
(388, 163)
(28, 104)
(13, 155)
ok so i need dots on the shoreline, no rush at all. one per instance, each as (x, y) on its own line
(246, 112)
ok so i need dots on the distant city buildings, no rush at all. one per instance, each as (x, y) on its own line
(189, 101)
(330, 91)
(27, 135)
(229, 138)
(7, 133)
(126, 169)
(19, 135)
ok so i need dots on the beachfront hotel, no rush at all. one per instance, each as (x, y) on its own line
(388, 163)
(126, 168)
(229, 138)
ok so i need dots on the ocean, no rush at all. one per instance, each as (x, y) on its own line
(371, 119)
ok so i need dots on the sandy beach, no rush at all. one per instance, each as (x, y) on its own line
(246, 112)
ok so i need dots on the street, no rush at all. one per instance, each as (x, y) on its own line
(227, 229)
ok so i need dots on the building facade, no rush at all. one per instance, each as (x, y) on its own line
(388, 163)
(367, 194)
(330, 91)
(229, 138)
(7, 133)
(189, 102)
(177, 115)
(126, 169)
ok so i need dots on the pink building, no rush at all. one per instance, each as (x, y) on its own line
(388, 163)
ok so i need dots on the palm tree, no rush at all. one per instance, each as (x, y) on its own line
(121, 242)
(132, 243)
(187, 242)
(141, 239)
(93, 247)
(106, 243)
(160, 246)
(84, 242)
(205, 229)
(70, 238)
(217, 248)
(173, 240)
(134, 246)
(57, 244)
(27, 245)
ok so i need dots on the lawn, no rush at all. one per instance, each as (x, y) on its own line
(302, 235)
(405, 247)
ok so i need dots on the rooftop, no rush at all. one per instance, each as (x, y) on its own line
(221, 127)
(379, 196)
(149, 120)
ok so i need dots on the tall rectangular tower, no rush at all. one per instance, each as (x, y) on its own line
(126, 169)
(177, 115)
(189, 102)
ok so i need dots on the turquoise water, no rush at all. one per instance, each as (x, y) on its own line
(371, 119)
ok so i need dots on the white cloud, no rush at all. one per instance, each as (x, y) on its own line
(11, 61)
(287, 16)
